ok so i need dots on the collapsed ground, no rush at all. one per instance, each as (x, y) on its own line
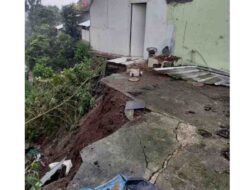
(205, 108)
(183, 143)
(102, 120)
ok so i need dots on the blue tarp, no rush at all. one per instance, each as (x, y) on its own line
(119, 179)
(121, 182)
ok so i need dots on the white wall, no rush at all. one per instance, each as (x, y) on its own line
(85, 35)
(156, 25)
(110, 25)
(138, 29)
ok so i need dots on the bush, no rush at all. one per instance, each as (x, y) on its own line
(63, 52)
(81, 52)
(40, 70)
(37, 47)
(65, 89)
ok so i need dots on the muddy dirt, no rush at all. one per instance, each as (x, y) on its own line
(103, 119)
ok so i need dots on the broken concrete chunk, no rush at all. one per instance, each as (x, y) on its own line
(131, 106)
(66, 163)
(135, 104)
(50, 173)
(129, 114)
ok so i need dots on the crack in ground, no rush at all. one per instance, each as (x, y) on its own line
(143, 149)
(154, 176)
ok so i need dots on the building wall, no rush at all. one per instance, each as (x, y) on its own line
(156, 25)
(85, 35)
(201, 32)
(110, 25)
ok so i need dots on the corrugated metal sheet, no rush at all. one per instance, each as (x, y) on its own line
(195, 73)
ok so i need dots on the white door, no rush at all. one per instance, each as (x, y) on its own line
(138, 20)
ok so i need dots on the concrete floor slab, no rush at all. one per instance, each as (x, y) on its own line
(175, 146)
(137, 149)
(178, 98)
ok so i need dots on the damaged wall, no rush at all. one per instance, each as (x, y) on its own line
(201, 32)
(110, 25)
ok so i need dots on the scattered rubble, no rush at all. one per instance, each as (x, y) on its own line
(52, 172)
(223, 133)
(66, 163)
(102, 120)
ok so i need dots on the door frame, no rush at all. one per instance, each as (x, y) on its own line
(131, 19)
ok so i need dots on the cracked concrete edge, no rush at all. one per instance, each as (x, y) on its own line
(183, 141)
(154, 176)
(143, 148)
(149, 107)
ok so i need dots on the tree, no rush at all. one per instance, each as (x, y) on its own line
(47, 30)
(37, 47)
(70, 14)
(63, 52)
(81, 52)
(40, 70)
(39, 15)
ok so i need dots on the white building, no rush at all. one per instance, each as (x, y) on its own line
(128, 27)
(85, 26)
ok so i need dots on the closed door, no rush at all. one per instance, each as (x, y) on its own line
(138, 21)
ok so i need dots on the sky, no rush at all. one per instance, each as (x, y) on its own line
(58, 3)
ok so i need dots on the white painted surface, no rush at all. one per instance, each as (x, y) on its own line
(110, 25)
(86, 23)
(126, 60)
(85, 35)
(156, 26)
(138, 29)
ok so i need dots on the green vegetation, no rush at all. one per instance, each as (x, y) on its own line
(64, 74)
(70, 19)
(67, 95)
(32, 176)
(40, 70)
(60, 64)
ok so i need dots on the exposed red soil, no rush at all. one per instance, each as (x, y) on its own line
(105, 118)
